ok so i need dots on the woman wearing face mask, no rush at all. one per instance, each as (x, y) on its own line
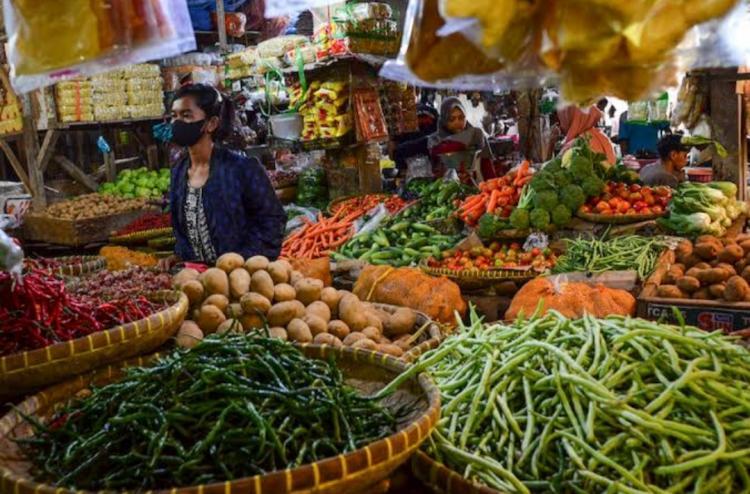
(221, 201)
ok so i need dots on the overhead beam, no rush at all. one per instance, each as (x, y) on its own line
(76, 173)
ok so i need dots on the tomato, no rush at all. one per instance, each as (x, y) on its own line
(614, 203)
(663, 201)
(585, 208)
(495, 246)
(657, 209)
(635, 196)
(630, 211)
(469, 265)
(498, 263)
(649, 199)
(515, 246)
(606, 196)
(639, 205)
(536, 251)
(602, 206)
(663, 191)
(635, 188)
(623, 193)
(623, 207)
(607, 212)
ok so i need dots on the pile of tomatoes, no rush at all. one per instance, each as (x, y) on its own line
(496, 256)
(623, 199)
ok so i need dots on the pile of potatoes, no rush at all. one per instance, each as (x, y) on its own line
(245, 295)
(710, 269)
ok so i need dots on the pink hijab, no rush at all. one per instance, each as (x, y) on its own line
(576, 123)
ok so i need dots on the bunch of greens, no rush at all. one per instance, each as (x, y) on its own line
(232, 407)
(436, 201)
(698, 209)
(312, 188)
(140, 182)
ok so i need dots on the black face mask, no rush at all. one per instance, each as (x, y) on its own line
(187, 134)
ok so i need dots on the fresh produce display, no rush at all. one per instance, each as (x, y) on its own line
(92, 206)
(140, 182)
(244, 295)
(495, 256)
(50, 264)
(620, 253)
(312, 189)
(709, 269)
(318, 239)
(573, 300)
(622, 199)
(232, 407)
(437, 200)
(498, 196)
(119, 258)
(416, 187)
(703, 209)
(593, 405)
(149, 221)
(367, 202)
(130, 282)
(38, 311)
(282, 178)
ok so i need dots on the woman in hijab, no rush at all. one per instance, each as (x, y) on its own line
(455, 134)
(575, 123)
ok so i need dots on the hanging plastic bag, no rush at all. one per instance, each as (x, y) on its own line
(52, 41)
(11, 255)
(372, 220)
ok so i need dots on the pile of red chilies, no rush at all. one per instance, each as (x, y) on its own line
(149, 221)
(39, 311)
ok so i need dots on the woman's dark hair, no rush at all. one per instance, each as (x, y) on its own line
(213, 104)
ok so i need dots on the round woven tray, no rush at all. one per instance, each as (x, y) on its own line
(21, 373)
(90, 264)
(471, 279)
(443, 480)
(623, 219)
(141, 237)
(429, 339)
(350, 473)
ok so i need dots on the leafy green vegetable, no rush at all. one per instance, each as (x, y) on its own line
(581, 168)
(727, 188)
(573, 197)
(520, 219)
(489, 225)
(546, 199)
(561, 215)
(539, 219)
(689, 224)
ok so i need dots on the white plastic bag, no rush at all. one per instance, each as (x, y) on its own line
(371, 221)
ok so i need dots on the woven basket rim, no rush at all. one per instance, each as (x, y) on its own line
(623, 219)
(141, 235)
(454, 482)
(421, 426)
(480, 275)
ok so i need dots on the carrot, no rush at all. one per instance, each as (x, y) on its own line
(522, 172)
(493, 201)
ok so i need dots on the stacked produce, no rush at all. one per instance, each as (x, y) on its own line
(130, 282)
(119, 258)
(619, 199)
(709, 269)
(239, 295)
(496, 256)
(50, 264)
(367, 202)
(92, 206)
(498, 196)
(703, 209)
(318, 239)
(621, 253)
(437, 200)
(74, 100)
(593, 405)
(39, 311)
(140, 182)
(232, 407)
(149, 221)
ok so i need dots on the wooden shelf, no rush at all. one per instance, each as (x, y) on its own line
(130, 121)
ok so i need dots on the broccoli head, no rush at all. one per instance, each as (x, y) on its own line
(543, 181)
(561, 215)
(519, 219)
(573, 197)
(562, 178)
(539, 219)
(546, 199)
(489, 225)
(581, 168)
(553, 165)
(593, 186)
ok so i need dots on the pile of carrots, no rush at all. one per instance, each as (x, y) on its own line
(365, 203)
(498, 196)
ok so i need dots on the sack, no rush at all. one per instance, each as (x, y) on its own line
(319, 269)
(439, 298)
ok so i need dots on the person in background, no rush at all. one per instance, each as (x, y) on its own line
(455, 134)
(640, 140)
(673, 157)
(575, 123)
(221, 201)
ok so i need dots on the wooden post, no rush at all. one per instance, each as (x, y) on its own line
(110, 167)
(152, 156)
(16, 165)
(221, 25)
(725, 126)
(31, 149)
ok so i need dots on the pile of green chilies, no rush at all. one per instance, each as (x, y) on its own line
(592, 405)
(234, 406)
(622, 253)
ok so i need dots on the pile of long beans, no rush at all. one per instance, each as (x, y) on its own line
(610, 405)
(232, 407)
(622, 253)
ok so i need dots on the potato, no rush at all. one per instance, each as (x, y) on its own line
(279, 333)
(683, 250)
(702, 265)
(702, 294)
(209, 318)
(365, 344)
(717, 290)
(283, 312)
(737, 290)
(390, 349)
(279, 271)
(215, 281)
(731, 253)
(707, 238)
(256, 263)
(740, 266)
(195, 314)
(217, 300)
(251, 322)
(373, 333)
(669, 291)
(354, 337)
(255, 303)
(708, 250)
(229, 262)
(189, 335)
(742, 237)
(239, 282)
(296, 277)
(230, 326)
(319, 309)
(330, 296)
(299, 331)
(671, 277)
(308, 290)
(691, 261)
(402, 321)
(695, 272)
(316, 324)
(339, 329)
(373, 320)
(327, 339)
(194, 291)
(284, 292)
(745, 244)
(689, 284)
(233, 311)
(185, 275)
(746, 274)
(713, 275)
(727, 267)
(261, 282)
(352, 312)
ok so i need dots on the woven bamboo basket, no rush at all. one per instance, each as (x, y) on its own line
(430, 338)
(623, 219)
(355, 472)
(141, 237)
(21, 373)
(442, 480)
(474, 279)
(90, 264)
